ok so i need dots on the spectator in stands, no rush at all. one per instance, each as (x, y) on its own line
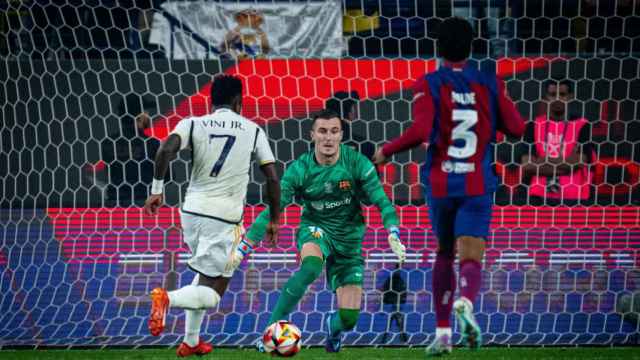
(130, 167)
(394, 296)
(557, 151)
(346, 104)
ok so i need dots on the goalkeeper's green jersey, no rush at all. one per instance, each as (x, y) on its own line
(331, 196)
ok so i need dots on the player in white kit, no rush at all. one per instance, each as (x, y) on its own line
(222, 145)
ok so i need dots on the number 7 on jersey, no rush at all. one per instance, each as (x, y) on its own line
(230, 140)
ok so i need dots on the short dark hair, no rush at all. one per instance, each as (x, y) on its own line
(324, 114)
(225, 89)
(565, 82)
(454, 39)
(342, 101)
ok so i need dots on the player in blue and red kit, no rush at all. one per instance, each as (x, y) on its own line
(457, 110)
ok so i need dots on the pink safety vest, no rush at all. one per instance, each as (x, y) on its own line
(574, 186)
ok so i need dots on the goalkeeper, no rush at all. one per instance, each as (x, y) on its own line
(330, 182)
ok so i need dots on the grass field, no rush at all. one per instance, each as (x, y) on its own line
(493, 353)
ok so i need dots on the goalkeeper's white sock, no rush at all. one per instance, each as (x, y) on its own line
(192, 323)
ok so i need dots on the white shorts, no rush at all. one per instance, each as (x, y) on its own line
(211, 242)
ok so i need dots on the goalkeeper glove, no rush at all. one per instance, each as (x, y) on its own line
(395, 244)
(244, 248)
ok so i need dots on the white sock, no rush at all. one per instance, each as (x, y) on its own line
(440, 331)
(193, 321)
(194, 297)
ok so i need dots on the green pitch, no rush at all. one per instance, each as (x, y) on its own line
(346, 354)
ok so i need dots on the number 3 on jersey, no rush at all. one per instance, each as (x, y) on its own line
(465, 120)
(230, 140)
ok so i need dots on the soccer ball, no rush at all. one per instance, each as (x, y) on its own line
(282, 338)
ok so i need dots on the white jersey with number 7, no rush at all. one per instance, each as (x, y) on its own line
(222, 145)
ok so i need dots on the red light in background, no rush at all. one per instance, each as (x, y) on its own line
(280, 89)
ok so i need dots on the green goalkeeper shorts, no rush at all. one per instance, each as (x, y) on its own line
(341, 270)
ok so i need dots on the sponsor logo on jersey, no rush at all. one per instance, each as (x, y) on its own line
(335, 204)
(327, 205)
(458, 167)
(328, 187)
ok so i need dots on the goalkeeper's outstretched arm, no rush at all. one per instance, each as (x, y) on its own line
(373, 188)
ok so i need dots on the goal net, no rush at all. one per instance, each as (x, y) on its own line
(81, 80)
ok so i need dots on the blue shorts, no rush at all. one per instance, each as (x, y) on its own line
(452, 217)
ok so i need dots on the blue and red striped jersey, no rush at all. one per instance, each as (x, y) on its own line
(458, 110)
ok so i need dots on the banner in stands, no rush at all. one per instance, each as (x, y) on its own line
(205, 29)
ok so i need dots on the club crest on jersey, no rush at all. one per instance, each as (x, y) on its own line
(328, 187)
(316, 232)
(344, 185)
